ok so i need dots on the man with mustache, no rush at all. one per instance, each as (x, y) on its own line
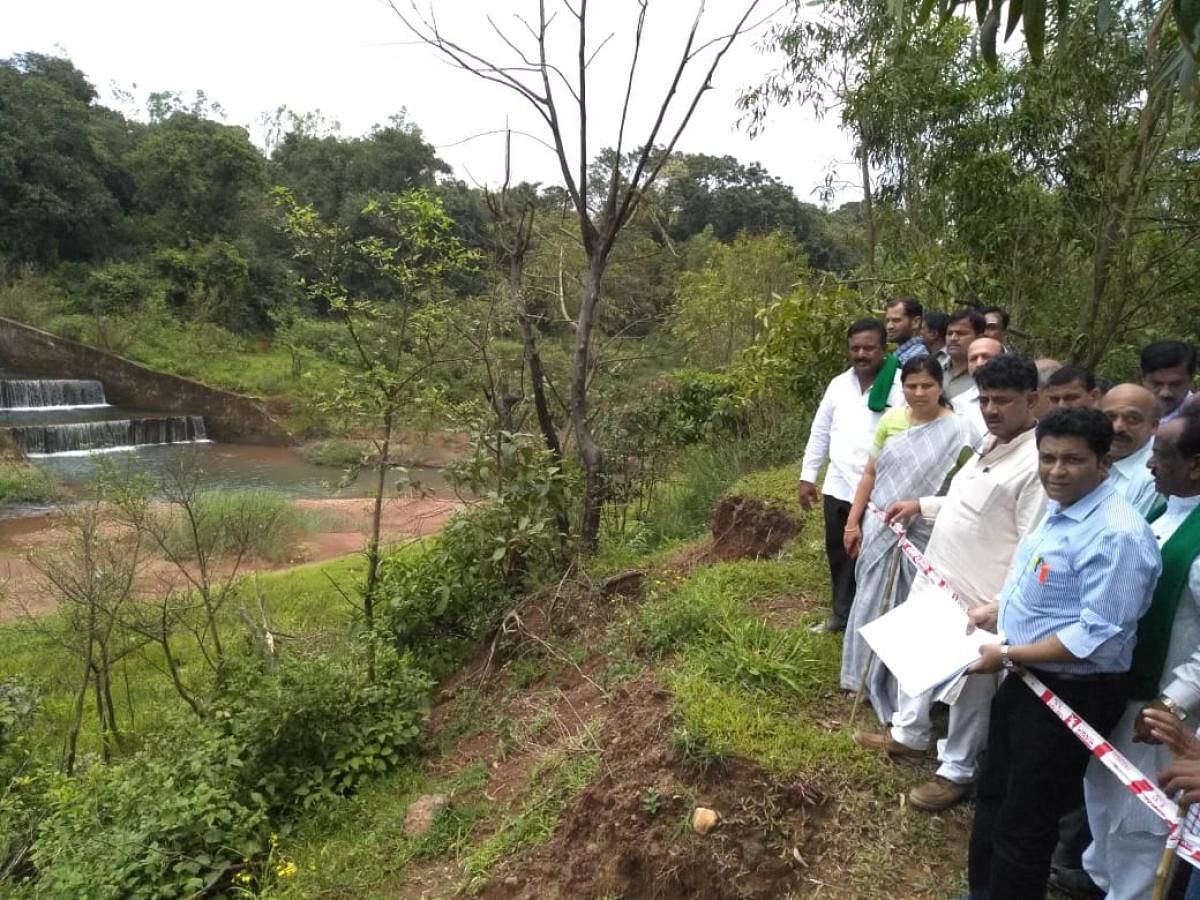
(1133, 412)
(992, 501)
(1166, 669)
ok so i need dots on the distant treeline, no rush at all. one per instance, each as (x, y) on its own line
(177, 208)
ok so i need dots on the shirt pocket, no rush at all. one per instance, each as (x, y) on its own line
(978, 493)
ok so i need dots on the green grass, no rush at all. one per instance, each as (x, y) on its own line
(303, 606)
(21, 482)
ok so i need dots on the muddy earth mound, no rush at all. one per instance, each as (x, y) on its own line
(629, 833)
(749, 528)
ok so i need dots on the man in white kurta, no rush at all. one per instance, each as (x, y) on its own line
(841, 434)
(993, 500)
(1127, 838)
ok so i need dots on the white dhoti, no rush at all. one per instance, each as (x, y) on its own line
(1127, 838)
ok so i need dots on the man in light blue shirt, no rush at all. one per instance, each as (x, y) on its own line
(902, 318)
(1069, 609)
(1133, 412)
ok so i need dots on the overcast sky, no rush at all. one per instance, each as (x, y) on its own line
(355, 62)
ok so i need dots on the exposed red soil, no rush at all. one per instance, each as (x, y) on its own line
(627, 833)
(347, 521)
(748, 528)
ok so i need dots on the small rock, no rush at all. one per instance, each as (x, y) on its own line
(703, 820)
(512, 881)
(418, 819)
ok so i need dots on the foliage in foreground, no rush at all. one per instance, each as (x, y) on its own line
(194, 808)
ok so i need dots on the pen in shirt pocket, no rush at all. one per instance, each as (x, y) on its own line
(1042, 568)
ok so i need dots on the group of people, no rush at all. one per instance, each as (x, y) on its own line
(1065, 511)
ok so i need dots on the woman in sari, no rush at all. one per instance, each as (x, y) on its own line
(916, 448)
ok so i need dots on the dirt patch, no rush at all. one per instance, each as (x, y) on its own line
(786, 612)
(749, 528)
(628, 833)
(26, 593)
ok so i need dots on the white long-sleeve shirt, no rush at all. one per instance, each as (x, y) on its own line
(842, 431)
(1133, 480)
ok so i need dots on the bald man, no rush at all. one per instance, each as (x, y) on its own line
(966, 404)
(1133, 411)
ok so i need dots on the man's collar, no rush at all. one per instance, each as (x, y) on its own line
(1137, 459)
(1085, 505)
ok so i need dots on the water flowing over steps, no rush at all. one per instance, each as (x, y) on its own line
(45, 416)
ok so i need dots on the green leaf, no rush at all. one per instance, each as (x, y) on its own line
(1035, 29)
(1015, 8)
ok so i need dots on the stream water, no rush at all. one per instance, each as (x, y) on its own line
(234, 467)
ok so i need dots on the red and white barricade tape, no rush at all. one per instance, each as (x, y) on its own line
(1188, 845)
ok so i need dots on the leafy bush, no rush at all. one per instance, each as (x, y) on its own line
(23, 483)
(262, 523)
(193, 810)
(459, 584)
(337, 453)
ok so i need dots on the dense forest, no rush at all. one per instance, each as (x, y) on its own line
(620, 351)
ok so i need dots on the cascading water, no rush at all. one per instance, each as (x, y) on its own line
(27, 394)
(47, 417)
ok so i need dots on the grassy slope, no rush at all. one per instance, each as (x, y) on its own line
(732, 643)
(301, 603)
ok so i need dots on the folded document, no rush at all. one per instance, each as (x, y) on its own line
(924, 641)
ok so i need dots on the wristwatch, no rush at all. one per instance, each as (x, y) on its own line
(1173, 708)
(1005, 659)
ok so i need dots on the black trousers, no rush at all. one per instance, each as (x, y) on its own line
(841, 566)
(1032, 775)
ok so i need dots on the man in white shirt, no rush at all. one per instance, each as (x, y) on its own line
(993, 500)
(842, 431)
(1128, 839)
(1133, 411)
(966, 404)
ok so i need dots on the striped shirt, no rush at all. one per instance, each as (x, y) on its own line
(911, 349)
(1085, 574)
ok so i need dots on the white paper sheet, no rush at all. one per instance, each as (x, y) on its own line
(924, 641)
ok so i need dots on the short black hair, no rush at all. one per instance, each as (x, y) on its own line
(1070, 374)
(1189, 441)
(937, 322)
(1167, 355)
(912, 306)
(863, 325)
(1007, 372)
(1090, 424)
(978, 323)
(926, 363)
(1001, 312)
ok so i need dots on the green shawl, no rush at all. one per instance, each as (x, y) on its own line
(1154, 629)
(882, 385)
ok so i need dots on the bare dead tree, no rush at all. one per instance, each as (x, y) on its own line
(562, 100)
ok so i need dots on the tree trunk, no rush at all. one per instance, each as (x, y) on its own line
(373, 545)
(533, 359)
(590, 453)
(69, 752)
(868, 208)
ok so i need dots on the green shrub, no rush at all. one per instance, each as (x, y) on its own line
(337, 453)
(264, 523)
(194, 809)
(22, 483)
(447, 592)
